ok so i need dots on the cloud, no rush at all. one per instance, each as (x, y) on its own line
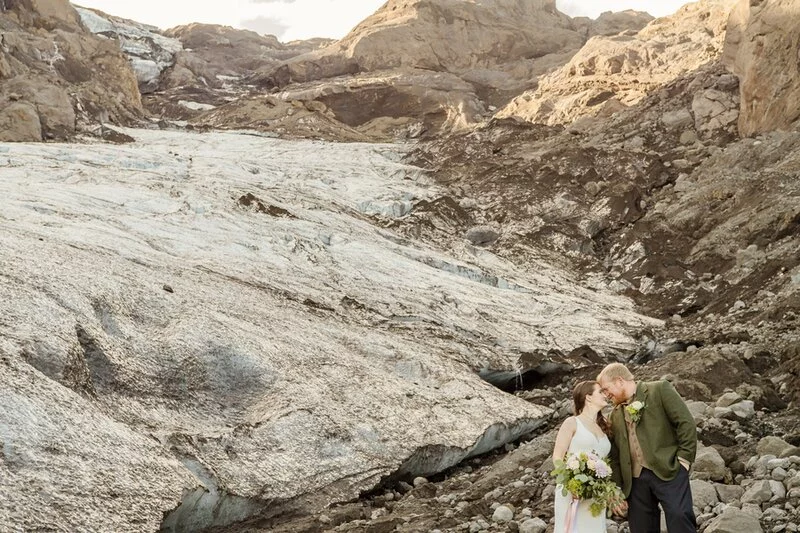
(266, 26)
(569, 6)
(593, 8)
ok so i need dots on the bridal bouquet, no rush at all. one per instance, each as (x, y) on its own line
(587, 476)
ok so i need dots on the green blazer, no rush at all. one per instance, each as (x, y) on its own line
(666, 431)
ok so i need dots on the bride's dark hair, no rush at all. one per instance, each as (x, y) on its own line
(579, 394)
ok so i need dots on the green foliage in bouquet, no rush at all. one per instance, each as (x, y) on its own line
(587, 476)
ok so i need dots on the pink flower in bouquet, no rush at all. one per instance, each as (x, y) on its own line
(602, 469)
(597, 465)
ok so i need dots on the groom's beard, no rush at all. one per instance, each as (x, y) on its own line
(622, 401)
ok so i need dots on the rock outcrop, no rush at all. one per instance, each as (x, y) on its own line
(215, 54)
(611, 23)
(762, 45)
(56, 78)
(450, 36)
(149, 51)
(381, 106)
(212, 72)
(613, 72)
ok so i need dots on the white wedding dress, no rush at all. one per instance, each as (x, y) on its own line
(582, 441)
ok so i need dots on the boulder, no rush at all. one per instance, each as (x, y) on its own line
(733, 520)
(698, 409)
(729, 493)
(482, 235)
(744, 410)
(778, 490)
(55, 109)
(703, 494)
(715, 110)
(709, 464)
(533, 525)
(773, 446)
(677, 119)
(728, 399)
(758, 492)
(503, 514)
(19, 122)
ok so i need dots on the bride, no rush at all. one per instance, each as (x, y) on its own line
(584, 432)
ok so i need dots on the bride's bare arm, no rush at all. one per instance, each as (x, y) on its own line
(565, 433)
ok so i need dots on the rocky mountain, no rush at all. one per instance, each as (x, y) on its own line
(473, 58)
(458, 61)
(213, 65)
(185, 71)
(616, 71)
(67, 71)
(57, 78)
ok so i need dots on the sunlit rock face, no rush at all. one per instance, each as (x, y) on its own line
(458, 35)
(762, 48)
(56, 78)
(611, 73)
(218, 324)
(493, 45)
(426, 67)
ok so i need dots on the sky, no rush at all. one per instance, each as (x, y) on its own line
(304, 19)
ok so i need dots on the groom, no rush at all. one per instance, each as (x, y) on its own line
(654, 445)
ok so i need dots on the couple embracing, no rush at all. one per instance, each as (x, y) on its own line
(651, 440)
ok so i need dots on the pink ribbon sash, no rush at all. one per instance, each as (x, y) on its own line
(570, 524)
